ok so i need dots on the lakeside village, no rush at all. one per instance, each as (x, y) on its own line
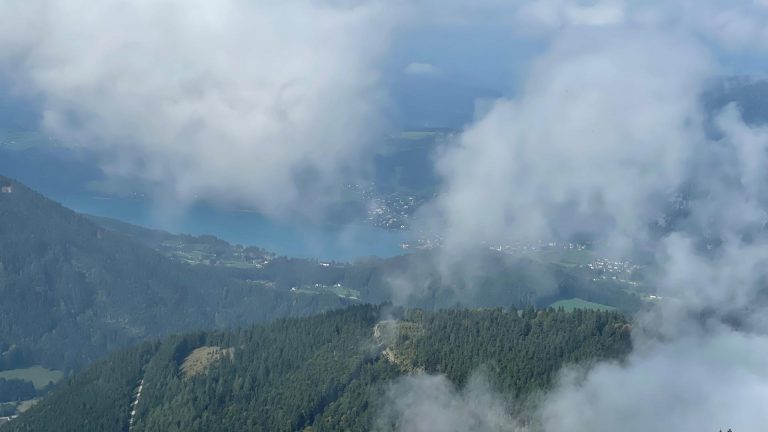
(563, 253)
(387, 211)
(7, 419)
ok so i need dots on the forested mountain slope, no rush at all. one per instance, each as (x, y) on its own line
(74, 288)
(71, 291)
(322, 373)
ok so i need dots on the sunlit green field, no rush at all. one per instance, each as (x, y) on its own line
(39, 375)
(563, 257)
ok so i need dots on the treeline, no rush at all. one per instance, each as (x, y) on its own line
(96, 399)
(543, 341)
(14, 390)
(326, 372)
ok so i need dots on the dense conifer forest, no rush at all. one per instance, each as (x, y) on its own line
(322, 373)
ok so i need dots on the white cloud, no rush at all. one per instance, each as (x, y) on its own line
(265, 103)
(733, 24)
(425, 403)
(597, 140)
(258, 102)
(269, 103)
(606, 131)
(560, 13)
(708, 383)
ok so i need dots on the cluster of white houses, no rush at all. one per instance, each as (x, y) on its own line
(6, 419)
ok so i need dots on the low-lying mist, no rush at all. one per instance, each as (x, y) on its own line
(610, 139)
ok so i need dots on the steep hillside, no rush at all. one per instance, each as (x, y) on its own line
(322, 373)
(71, 291)
(74, 288)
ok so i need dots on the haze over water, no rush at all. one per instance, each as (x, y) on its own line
(302, 240)
(59, 175)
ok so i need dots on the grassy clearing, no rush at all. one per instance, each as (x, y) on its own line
(577, 303)
(39, 375)
(199, 360)
(564, 257)
(343, 291)
(338, 290)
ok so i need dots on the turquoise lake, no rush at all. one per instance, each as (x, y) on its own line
(63, 177)
(304, 240)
